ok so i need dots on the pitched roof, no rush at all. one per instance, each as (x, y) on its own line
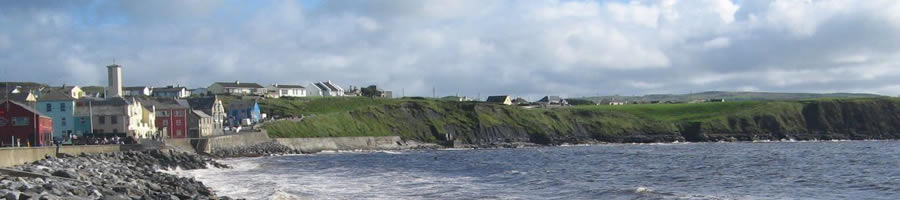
(168, 89)
(135, 88)
(288, 86)
(239, 85)
(26, 107)
(55, 96)
(550, 99)
(241, 104)
(200, 113)
(321, 86)
(21, 97)
(202, 103)
(498, 99)
(164, 103)
(116, 101)
(332, 86)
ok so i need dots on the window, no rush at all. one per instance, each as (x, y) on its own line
(177, 122)
(163, 113)
(62, 107)
(113, 119)
(63, 121)
(165, 122)
(82, 120)
(49, 107)
(179, 113)
(20, 121)
(101, 119)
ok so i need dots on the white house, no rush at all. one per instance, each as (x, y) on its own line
(171, 91)
(237, 88)
(326, 88)
(287, 90)
(137, 91)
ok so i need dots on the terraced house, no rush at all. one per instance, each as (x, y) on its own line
(116, 117)
(213, 107)
(61, 108)
(325, 89)
(171, 116)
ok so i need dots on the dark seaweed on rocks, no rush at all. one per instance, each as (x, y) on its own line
(122, 175)
(261, 149)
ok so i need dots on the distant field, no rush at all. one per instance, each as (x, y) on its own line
(682, 112)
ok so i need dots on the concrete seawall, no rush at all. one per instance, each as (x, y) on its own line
(17, 156)
(311, 145)
(234, 141)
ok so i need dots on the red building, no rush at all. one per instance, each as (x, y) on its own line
(171, 116)
(22, 125)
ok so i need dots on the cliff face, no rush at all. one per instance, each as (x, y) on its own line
(464, 124)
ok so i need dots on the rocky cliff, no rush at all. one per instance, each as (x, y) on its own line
(468, 124)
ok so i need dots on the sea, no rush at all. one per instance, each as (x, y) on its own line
(768, 170)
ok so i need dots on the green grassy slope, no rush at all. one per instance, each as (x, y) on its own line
(480, 123)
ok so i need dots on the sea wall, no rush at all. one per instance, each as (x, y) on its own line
(235, 141)
(17, 156)
(312, 145)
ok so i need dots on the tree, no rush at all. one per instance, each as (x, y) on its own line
(371, 91)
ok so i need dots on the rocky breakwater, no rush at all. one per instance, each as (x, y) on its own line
(122, 175)
(261, 149)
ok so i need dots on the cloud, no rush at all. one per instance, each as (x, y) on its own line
(521, 48)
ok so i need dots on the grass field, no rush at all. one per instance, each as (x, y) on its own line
(682, 112)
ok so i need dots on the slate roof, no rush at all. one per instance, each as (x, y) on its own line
(331, 86)
(201, 114)
(165, 103)
(239, 85)
(168, 89)
(204, 104)
(21, 97)
(288, 86)
(497, 99)
(135, 88)
(117, 101)
(55, 96)
(550, 99)
(241, 105)
(26, 107)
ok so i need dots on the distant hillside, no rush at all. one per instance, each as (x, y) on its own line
(732, 96)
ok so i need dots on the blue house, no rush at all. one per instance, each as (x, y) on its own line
(242, 113)
(61, 108)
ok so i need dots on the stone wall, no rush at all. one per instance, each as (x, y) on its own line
(311, 145)
(17, 156)
(235, 141)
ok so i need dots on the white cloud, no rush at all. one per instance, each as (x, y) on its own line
(719, 42)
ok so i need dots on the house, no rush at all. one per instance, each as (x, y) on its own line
(455, 98)
(325, 89)
(552, 100)
(213, 107)
(502, 99)
(138, 91)
(115, 116)
(171, 91)
(199, 124)
(24, 87)
(242, 113)
(288, 90)
(73, 91)
(22, 125)
(94, 91)
(715, 100)
(237, 88)
(27, 98)
(199, 92)
(171, 115)
(520, 101)
(61, 108)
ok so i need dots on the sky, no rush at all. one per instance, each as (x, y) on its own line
(527, 48)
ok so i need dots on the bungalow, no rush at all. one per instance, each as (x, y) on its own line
(326, 88)
(502, 99)
(243, 113)
(138, 91)
(21, 125)
(237, 88)
(171, 91)
(553, 100)
(61, 108)
(520, 101)
(288, 90)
